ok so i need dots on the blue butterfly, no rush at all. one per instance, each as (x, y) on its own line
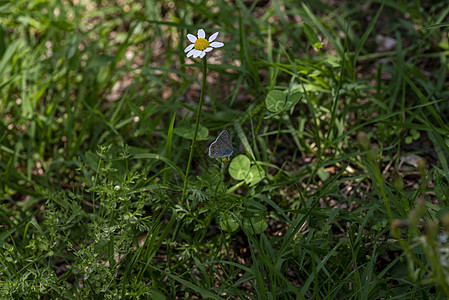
(222, 146)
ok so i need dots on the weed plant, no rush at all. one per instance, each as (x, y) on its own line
(338, 186)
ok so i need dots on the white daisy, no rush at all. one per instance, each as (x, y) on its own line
(200, 45)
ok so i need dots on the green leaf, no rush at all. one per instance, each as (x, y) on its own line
(255, 175)
(240, 167)
(157, 295)
(292, 100)
(255, 207)
(311, 35)
(275, 101)
(380, 225)
(255, 225)
(99, 61)
(188, 132)
(441, 189)
(228, 223)
(92, 160)
(324, 175)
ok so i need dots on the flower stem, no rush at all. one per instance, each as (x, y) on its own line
(197, 123)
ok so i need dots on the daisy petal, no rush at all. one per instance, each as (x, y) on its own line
(191, 38)
(197, 53)
(201, 34)
(191, 52)
(216, 44)
(208, 49)
(202, 54)
(189, 47)
(213, 37)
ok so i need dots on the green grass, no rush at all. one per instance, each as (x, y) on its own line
(338, 187)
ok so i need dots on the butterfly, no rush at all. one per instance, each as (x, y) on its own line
(222, 146)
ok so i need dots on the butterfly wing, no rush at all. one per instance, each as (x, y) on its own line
(222, 146)
(213, 150)
(226, 149)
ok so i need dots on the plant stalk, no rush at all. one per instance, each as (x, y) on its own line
(197, 123)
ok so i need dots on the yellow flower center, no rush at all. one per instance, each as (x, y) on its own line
(201, 44)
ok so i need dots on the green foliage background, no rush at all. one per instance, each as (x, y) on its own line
(338, 187)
